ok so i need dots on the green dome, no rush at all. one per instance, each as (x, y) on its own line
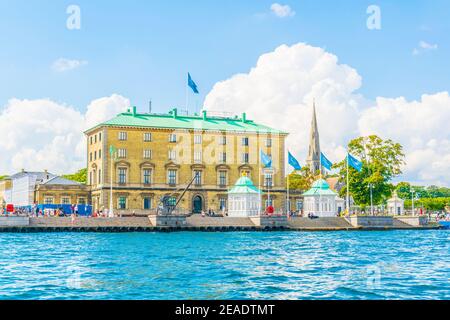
(320, 188)
(244, 185)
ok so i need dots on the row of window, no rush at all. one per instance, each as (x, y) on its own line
(93, 156)
(172, 156)
(198, 139)
(93, 139)
(64, 200)
(172, 177)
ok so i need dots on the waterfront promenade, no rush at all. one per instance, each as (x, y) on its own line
(213, 224)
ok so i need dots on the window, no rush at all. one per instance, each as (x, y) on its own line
(268, 180)
(81, 201)
(147, 154)
(99, 154)
(65, 200)
(222, 178)
(147, 137)
(172, 155)
(245, 141)
(222, 140)
(245, 158)
(122, 203)
(198, 157)
(99, 176)
(90, 177)
(172, 201)
(172, 138)
(99, 136)
(95, 139)
(172, 177)
(122, 175)
(49, 200)
(122, 153)
(197, 139)
(198, 177)
(123, 136)
(90, 156)
(147, 176)
(223, 203)
(222, 157)
(95, 155)
(90, 139)
(268, 142)
(147, 203)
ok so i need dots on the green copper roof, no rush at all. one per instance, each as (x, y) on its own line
(320, 188)
(244, 185)
(175, 121)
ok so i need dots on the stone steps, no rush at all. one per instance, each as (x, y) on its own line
(320, 223)
(199, 221)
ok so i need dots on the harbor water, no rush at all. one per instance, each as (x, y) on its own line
(241, 265)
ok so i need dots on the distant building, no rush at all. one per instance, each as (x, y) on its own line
(158, 155)
(396, 205)
(27, 188)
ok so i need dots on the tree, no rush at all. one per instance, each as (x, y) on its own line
(382, 161)
(80, 176)
(302, 181)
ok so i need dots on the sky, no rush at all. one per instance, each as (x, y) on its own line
(128, 52)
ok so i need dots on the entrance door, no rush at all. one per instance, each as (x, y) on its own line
(197, 206)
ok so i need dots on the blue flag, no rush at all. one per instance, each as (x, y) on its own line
(293, 162)
(266, 160)
(327, 164)
(192, 84)
(355, 163)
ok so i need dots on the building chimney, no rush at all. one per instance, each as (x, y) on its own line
(244, 117)
(175, 113)
(134, 111)
(205, 115)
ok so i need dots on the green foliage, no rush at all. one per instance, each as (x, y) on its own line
(429, 203)
(404, 190)
(382, 161)
(303, 180)
(80, 176)
(2, 178)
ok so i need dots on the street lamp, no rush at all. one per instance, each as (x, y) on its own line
(371, 199)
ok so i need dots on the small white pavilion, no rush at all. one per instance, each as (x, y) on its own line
(244, 199)
(396, 205)
(320, 200)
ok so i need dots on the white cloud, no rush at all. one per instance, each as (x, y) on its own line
(423, 47)
(42, 134)
(63, 64)
(282, 11)
(280, 89)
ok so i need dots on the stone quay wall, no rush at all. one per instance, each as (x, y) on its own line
(371, 221)
(14, 221)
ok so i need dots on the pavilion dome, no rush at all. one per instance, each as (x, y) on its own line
(244, 185)
(320, 188)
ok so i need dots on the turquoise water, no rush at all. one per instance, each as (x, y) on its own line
(280, 265)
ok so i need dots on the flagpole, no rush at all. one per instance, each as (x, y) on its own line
(111, 203)
(348, 188)
(187, 99)
(288, 209)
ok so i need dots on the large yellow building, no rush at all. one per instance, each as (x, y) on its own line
(155, 156)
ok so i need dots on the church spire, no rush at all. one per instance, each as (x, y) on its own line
(313, 160)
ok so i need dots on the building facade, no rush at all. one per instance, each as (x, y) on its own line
(156, 156)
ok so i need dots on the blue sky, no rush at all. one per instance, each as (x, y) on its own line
(143, 49)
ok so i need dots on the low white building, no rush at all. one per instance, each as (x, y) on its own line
(24, 184)
(320, 200)
(396, 205)
(244, 199)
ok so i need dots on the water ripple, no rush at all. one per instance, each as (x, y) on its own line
(282, 265)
